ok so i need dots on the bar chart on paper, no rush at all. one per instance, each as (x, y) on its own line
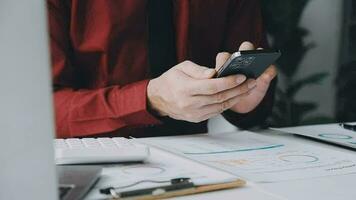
(257, 157)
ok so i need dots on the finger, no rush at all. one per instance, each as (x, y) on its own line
(195, 71)
(265, 79)
(216, 85)
(268, 75)
(203, 100)
(216, 109)
(246, 46)
(221, 58)
(220, 107)
(207, 116)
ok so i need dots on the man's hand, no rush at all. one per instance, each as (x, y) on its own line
(254, 97)
(188, 92)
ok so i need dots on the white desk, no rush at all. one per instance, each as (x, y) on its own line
(332, 187)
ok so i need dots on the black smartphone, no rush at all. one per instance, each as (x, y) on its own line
(250, 63)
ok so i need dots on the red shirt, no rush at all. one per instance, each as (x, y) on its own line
(100, 61)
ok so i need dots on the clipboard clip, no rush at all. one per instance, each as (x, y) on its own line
(348, 126)
(175, 184)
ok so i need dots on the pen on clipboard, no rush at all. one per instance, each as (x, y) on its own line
(175, 184)
(348, 126)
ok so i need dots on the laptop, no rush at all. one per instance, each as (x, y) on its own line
(27, 168)
(76, 181)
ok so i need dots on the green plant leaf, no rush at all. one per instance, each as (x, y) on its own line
(293, 51)
(311, 79)
(282, 19)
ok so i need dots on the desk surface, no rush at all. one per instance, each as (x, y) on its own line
(332, 187)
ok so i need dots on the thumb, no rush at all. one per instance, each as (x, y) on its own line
(221, 58)
(196, 71)
(246, 46)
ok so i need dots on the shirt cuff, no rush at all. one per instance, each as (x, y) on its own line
(132, 105)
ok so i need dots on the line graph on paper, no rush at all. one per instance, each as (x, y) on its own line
(202, 145)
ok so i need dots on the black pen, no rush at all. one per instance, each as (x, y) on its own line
(176, 184)
(156, 190)
(348, 126)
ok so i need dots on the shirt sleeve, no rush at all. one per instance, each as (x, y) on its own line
(246, 25)
(83, 112)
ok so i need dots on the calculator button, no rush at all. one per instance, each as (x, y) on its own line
(91, 143)
(107, 143)
(122, 142)
(75, 143)
(60, 143)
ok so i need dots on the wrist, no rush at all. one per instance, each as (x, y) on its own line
(154, 103)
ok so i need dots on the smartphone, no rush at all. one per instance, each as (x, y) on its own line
(250, 63)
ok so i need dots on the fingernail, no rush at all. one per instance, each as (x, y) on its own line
(267, 77)
(240, 79)
(251, 84)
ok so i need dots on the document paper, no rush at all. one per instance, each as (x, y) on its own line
(332, 133)
(257, 157)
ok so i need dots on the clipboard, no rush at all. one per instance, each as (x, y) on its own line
(140, 180)
(188, 191)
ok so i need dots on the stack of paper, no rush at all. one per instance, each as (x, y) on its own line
(257, 157)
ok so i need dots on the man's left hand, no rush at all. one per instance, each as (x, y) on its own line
(250, 100)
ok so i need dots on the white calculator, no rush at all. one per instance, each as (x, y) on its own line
(99, 150)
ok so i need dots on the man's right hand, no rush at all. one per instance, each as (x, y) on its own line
(188, 92)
